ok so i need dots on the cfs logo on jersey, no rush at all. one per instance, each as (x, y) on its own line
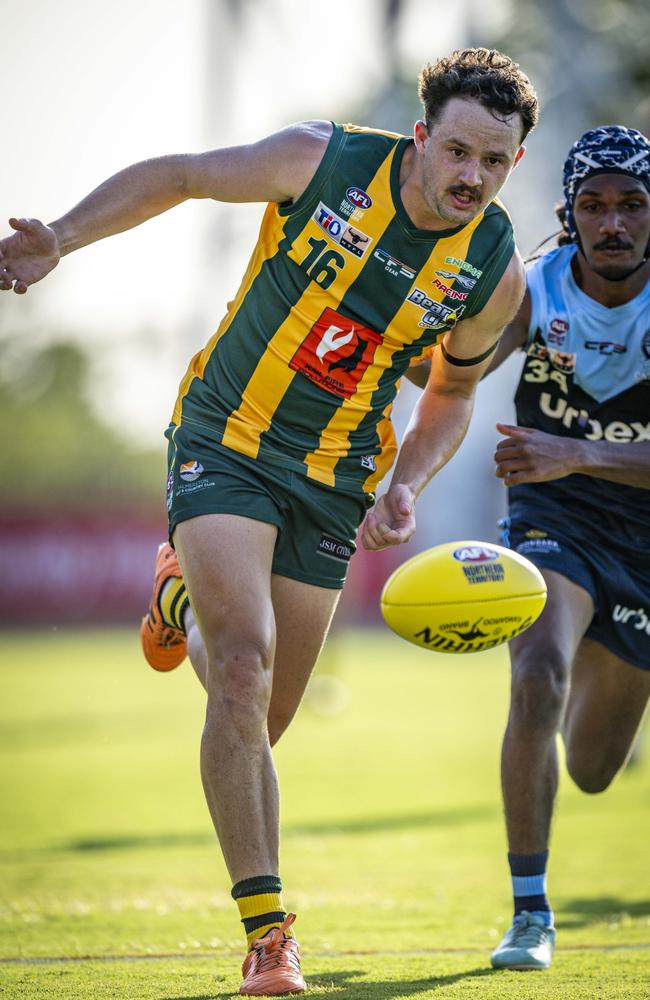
(351, 239)
(335, 353)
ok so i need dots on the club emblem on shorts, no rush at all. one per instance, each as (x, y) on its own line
(189, 471)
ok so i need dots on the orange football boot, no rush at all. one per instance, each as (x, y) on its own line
(164, 647)
(272, 966)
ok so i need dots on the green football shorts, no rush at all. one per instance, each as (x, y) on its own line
(317, 526)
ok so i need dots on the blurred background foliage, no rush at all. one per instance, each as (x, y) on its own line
(55, 449)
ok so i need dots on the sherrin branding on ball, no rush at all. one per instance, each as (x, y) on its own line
(462, 597)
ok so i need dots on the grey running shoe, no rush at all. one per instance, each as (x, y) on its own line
(528, 944)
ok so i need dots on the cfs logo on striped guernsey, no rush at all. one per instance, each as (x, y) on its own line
(351, 239)
(393, 265)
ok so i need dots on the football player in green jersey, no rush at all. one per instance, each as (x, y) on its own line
(373, 248)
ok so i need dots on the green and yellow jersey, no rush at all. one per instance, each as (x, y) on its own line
(341, 295)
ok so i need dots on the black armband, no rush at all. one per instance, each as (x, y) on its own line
(465, 362)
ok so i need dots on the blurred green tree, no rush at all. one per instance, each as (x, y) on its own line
(54, 450)
(589, 57)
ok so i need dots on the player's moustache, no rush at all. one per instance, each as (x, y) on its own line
(613, 244)
(472, 193)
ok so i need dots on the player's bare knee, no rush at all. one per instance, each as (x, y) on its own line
(593, 773)
(278, 723)
(239, 687)
(539, 688)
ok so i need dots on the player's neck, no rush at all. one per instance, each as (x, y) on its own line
(608, 293)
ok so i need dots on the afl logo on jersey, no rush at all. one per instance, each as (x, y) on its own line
(358, 197)
(475, 554)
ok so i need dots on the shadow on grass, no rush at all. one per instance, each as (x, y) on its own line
(320, 828)
(348, 985)
(582, 912)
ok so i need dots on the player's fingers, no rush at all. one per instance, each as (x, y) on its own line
(511, 429)
(23, 225)
(522, 476)
(370, 541)
(507, 452)
(380, 534)
(510, 466)
(20, 287)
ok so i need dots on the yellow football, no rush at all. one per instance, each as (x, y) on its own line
(462, 597)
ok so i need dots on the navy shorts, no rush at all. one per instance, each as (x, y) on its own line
(317, 526)
(613, 566)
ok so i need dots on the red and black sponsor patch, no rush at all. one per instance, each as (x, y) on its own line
(336, 352)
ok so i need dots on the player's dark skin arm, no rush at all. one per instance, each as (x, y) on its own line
(525, 455)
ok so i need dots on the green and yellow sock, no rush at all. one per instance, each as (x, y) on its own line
(174, 602)
(260, 905)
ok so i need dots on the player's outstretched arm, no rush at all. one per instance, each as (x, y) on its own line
(277, 168)
(441, 415)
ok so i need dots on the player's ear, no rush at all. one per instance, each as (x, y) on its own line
(420, 134)
(520, 153)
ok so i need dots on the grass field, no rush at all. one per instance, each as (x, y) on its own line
(394, 856)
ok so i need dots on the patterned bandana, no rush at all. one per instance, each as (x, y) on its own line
(611, 149)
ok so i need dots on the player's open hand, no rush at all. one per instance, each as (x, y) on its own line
(526, 455)
(28, 255)
(391, 521)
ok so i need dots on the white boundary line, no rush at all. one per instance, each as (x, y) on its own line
(201, 955)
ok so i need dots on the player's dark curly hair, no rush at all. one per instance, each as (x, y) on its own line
(485, 74)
